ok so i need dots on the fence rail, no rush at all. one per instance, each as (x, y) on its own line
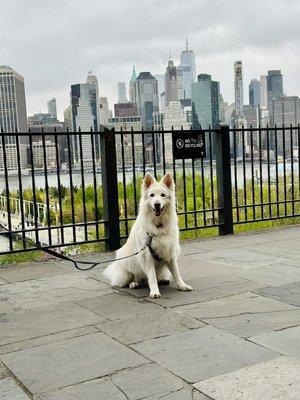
(72, 188)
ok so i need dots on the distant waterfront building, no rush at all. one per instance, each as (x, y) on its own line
(205, 103)
(38, 153)
(122, 92)
(171, 93)
(187, 73)
(41, 119)
(176, 118)
(125, 123)
(145, 95)
(238, 88)
(52, 110)
(274, 90)
(286, 111)
(104, 111)
(13, 117)
(254, 93)
(250, 115)
(161, 90)
(131, 84)
(12, 101)
(68, 118)
(127, 109)
(264, 91)
(84, 118)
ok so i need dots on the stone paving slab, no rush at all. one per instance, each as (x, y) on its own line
(3, 371)
(153, 380)
(202, 353)
(240, 257)
(98, 389)
(56, 365)
(149, 325)
(118, 306)
(6, 305)
(286, 293)
(9, 390)
(245, 314)
(23, 273)
(286, 342)
(47, 339)
(28, 324)
(2, 281)
(206, 288)
(192, 267)
(276, 379)
(54, 290)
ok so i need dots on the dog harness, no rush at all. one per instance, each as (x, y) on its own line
(152, 251)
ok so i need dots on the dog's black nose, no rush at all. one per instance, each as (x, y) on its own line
(157, 206)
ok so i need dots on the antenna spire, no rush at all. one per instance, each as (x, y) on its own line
(187, 43)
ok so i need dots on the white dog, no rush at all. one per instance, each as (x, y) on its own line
(156, 232)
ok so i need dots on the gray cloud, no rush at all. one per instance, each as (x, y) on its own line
(53, 44)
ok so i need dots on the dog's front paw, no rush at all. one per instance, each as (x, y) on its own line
(186, 287)
(154, 294)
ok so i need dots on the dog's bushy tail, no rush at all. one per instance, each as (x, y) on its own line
(117, 275)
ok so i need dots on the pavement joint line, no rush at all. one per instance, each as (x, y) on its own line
(17, 381)
(122, 391)
(47, 335)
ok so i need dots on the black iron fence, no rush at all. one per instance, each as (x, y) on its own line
(71, 188)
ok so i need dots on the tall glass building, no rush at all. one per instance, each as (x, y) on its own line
(205, 104)
(12, 100)
(187, 73)
(52, 111)
(84, 117)
(254, 93)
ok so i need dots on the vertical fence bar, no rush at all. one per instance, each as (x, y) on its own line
(47, 190)
(71, 184)
(110, 189)
(96, 213)
(7, 193)
(235, 177)
(284, 169)
(163, 149)
(223, 168)
(211, 178)
(83, 186)
(261, 177)
(244, 174)
(292, 170)
(59, 187)
(124, 181)
(252, 174)
(133, 172)
(269, 174)
(276, 170)
(35, 210)
(21, 191)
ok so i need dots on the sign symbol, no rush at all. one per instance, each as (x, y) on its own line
(180, 143)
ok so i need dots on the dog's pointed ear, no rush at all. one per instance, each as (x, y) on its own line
(148, 181)
(168, 181)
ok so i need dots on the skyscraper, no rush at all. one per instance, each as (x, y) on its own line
(122, 92)
(84, 117)
(12, 101)
(161, 90)
(131, 82)
(254, 93)
(186, 72)
(205, 104)
(274, 86)
(51, 105)
(171, 93)
(145, 95)
(238, 88)
(263, 91)
(93, 80)
(12, 116)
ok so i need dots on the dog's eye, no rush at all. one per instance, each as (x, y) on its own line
(163, 195)
(152, 195)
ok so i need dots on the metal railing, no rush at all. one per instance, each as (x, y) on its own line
(88, 184)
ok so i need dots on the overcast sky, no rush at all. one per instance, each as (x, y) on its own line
(54, 43)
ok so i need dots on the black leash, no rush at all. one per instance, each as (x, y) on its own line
(94, 264)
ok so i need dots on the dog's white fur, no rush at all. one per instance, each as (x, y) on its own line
(157, 217)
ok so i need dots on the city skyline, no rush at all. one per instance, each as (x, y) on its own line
(217, 41)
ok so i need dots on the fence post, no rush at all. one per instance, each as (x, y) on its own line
(223, 169)
(110, 189)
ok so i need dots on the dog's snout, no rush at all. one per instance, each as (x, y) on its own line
(157, 205)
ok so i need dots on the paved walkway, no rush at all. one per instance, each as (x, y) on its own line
(67, 335)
